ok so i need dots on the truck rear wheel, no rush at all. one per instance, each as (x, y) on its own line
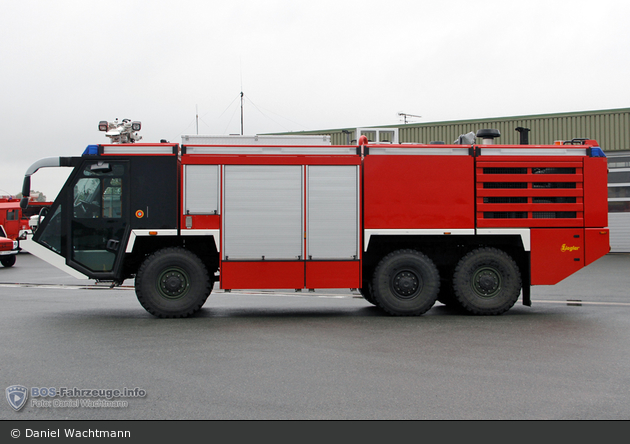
(8, 261)
(406, 282)
(172, 283)
(487, 281)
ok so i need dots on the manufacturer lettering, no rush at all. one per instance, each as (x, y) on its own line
(565, 248)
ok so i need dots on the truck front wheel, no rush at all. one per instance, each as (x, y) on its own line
(487, 281)
(8, 261)
(172, 283)
(406, 282)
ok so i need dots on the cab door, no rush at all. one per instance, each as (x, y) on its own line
(98, 218)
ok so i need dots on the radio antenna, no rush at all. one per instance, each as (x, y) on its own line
(405, 115)
(241, 63)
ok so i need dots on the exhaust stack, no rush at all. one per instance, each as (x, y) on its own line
(524, 135)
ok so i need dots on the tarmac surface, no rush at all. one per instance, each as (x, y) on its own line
(322, 355)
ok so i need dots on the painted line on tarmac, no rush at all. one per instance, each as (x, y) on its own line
(574, 302)
(306, 294)
(65, 287)
(105, 286)
(291, 295)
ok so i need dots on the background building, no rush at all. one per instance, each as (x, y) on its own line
(611, 128)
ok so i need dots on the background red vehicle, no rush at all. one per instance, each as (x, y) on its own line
(15, 220)
(9, 249)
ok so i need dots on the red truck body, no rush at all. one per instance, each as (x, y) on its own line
(469, 225)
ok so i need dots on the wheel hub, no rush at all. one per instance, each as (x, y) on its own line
(406, 284)
(173, 284)
(487, 282)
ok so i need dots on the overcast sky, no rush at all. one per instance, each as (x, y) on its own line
(65, 65)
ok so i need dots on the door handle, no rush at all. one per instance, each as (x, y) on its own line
(112, 245)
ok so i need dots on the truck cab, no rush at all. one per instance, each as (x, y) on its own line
(106, 197)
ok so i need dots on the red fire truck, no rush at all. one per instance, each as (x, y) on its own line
(471, 225)
(14, 225)
(9, 249)
(15, 220)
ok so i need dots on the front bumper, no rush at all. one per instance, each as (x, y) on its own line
(16, 249)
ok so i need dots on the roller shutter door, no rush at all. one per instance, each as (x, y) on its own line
(263, 212)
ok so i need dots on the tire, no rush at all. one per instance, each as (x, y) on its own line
(487, 281)
(8, 261)
(172, 283)
(368, 293)
(405, 283)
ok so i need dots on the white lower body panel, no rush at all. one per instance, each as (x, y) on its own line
(50, 256)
